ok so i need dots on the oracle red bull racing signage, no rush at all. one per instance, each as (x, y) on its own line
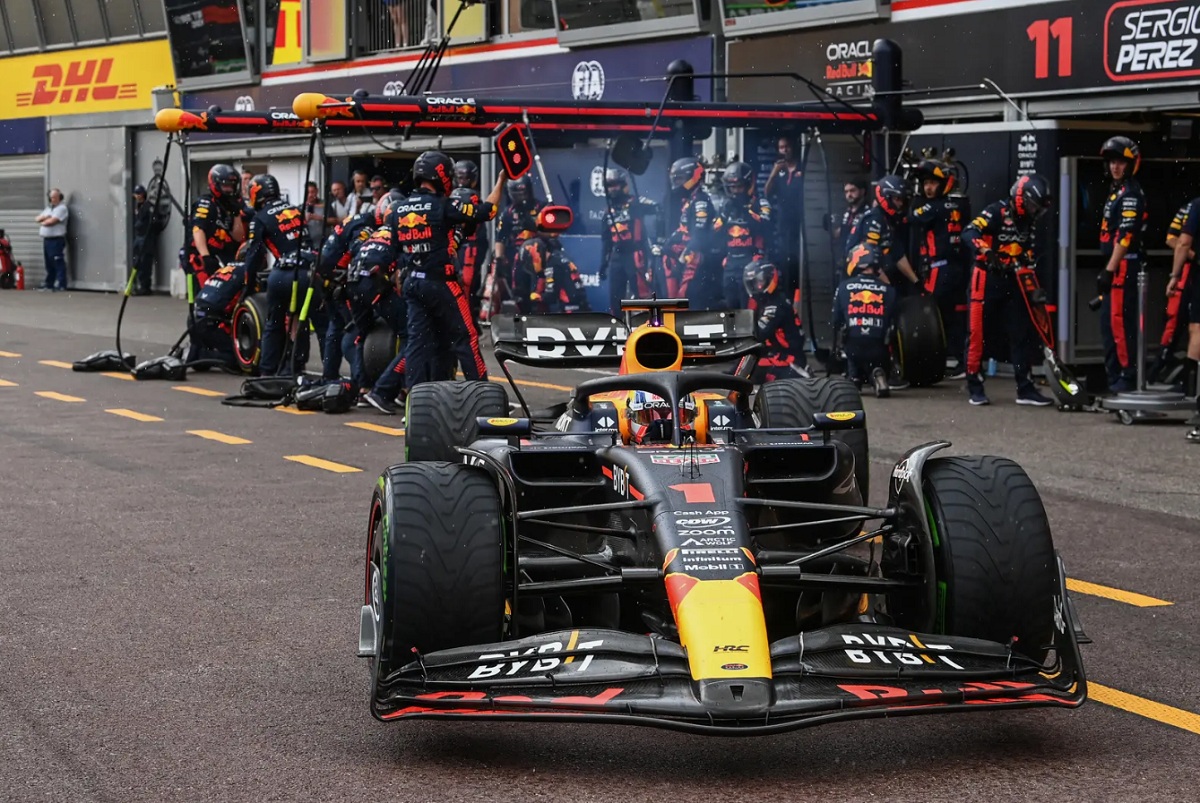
(1146, 40)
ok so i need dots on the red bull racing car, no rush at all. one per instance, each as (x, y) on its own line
(683, 549)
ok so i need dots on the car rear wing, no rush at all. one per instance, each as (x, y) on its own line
(597, 340)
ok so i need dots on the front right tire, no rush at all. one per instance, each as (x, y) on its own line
(435, 563)
(994, 558)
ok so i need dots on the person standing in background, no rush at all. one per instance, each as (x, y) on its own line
(314, 212)
(53, 231)
(147, 223)
(785, 191)
(361, 191)
(342, 206)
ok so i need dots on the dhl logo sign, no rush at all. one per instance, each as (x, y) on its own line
(87, 80)
(55, 85)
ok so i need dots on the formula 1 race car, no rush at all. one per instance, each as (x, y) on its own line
(682, 549)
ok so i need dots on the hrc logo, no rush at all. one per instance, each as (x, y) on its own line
(81, 81)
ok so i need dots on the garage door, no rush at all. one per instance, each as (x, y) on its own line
(21, 201)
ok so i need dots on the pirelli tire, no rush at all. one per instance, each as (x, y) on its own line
(249, 320)
(379, 348)
(790, 403)
(995, 567)
(435, 563)
(442, 416)
(920, 341)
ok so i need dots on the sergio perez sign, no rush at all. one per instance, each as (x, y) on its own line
(1147, 40)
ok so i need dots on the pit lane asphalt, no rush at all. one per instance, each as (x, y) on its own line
(179, 614)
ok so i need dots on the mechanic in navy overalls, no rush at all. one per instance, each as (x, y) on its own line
(741, 231)
(938, 219)
(1122, 243)
(864, 311)
(423, 235)
(626, 260)
(689, 263)
(278, 228)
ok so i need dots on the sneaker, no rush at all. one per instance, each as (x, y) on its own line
(957, 373)
(1194, 436)
(1033, 398)
(1120, 386)
(979, 398)
(879, 377)
(381, 404)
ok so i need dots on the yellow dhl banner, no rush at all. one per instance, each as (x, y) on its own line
(94, 79)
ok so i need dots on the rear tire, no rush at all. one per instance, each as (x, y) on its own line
(790, 403)
(994, 556)
(435, 556)
(920, 341)
(249, 318)
(379, 348)
(440, 416)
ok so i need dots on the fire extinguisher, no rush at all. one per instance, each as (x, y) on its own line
(20, 276)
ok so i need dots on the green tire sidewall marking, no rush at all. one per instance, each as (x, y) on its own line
(942, 590)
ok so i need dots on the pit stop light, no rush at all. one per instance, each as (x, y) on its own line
(514, 151)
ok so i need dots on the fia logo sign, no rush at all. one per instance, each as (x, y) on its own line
(393, 88)
(244, 103)
(598, 181)
(587, 81)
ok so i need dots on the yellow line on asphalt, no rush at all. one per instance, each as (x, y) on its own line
(382, 430)
(55, 363)
(9, 354)
(316, 462)
(136, 416)
(294, 411)
(118, 375)
(212, 435)
(62, 397)
(1128, 597)
(196, 391)
(4, 383)
(1176, 717)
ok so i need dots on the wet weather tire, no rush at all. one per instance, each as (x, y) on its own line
(790, 403)
(435, 562)
(993, 552)
(442, 416)
(920, 341)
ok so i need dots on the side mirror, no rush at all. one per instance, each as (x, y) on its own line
(504, 427)
(848, 419)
